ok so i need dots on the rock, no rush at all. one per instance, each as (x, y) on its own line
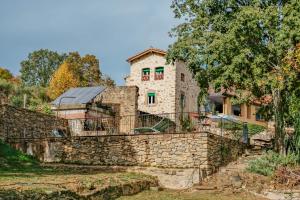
(48, 192)
(154, 189)
(236, 181)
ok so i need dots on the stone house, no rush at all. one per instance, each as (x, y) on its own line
(163, 88)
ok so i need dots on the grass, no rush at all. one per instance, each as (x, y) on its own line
(198, 195)
(20, 172)
(14, 160)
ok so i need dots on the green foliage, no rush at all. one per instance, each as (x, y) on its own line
(87, 70)
(36, 97)
(293, 140)
(225, 152)
(11, 159)
(252, 128)
(187, 124)
(6, 87)
(39, 66)
(268, 163)
(5, 74)
(242, 45)
(255, 129)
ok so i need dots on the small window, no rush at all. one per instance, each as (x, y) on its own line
(182, 100)
(146, 74)
(159, 73)
(151, 98)
(182, 77)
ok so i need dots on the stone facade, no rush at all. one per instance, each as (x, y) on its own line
(23, 123)
(186, 150)
(124, 100)
(168, 90)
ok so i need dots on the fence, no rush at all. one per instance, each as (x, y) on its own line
(132, 124)
(159, 123)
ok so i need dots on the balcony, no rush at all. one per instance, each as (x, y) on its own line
(145, 78)
(159, 77)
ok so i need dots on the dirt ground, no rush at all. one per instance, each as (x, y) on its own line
(191, 195)
(82, 183)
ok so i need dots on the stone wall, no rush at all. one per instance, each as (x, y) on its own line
(125, 99)
(222, 150)
(164, 89)
(188, 87)
(23, 123)
(189, 150)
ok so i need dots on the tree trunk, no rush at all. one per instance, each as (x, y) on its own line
(279, 121)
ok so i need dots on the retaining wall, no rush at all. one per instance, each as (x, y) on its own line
(187, 150)
(24, 123)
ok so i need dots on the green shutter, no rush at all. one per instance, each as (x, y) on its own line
(151, 94)
(159, 69)
(146, 70)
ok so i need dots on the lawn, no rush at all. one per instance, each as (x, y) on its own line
(22, 177)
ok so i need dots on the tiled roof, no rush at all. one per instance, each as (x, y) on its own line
(80, 95)
(151, 50)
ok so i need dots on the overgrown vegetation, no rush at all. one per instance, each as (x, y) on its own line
(268, 163)
(252, 128)
(187, 124)
(14, 160)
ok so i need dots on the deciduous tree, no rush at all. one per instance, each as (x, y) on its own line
(63, 79)
(87, 70)
(39, 66)
(240, 45)
(5, 74)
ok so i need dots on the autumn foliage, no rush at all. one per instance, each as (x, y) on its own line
(62, 79)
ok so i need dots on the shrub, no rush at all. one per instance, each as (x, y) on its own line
(252, 128)
(268, 163)
(187, 124)
(255, 129)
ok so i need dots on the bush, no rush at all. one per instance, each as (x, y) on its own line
(252, 128)
(255, 129)
(268, 163)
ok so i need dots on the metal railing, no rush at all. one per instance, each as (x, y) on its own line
(143, 123)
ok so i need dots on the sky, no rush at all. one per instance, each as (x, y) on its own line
(112, 30)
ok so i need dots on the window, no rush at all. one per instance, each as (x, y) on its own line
(146, 74)
(159, 73)
(182, 100)
(258, 115)
(182, 77)
(236, 110)
(151, 98)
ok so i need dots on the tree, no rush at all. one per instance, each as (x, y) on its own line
(240, 45)
(5, 74)
(87, 70)
(38, 68)
(63, 79)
